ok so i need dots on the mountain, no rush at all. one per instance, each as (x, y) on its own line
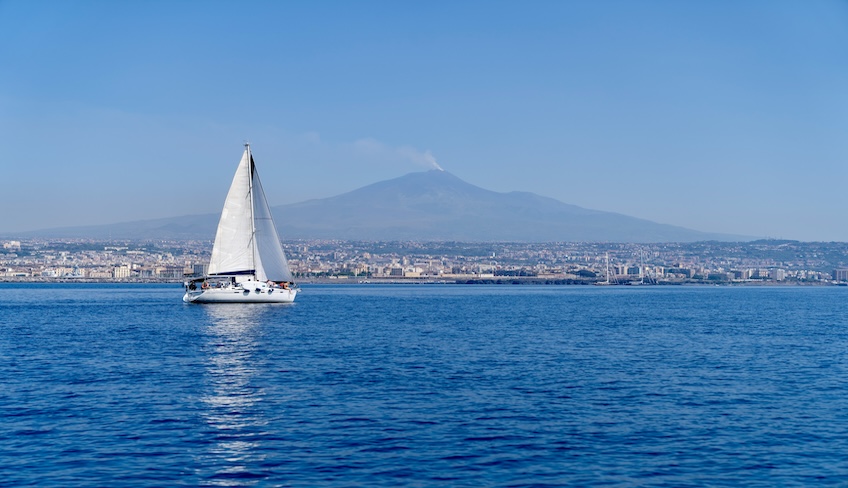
(436, 205)
(428, 206)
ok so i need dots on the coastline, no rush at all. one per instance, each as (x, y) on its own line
(346, 280)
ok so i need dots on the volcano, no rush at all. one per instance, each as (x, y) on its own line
(437, 206)
(424, 206)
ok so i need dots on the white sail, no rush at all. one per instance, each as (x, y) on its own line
(233, 249)
(247, 240)
(271, 261)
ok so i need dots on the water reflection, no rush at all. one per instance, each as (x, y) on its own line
(233, 412)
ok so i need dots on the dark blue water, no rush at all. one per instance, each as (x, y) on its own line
(124, 385)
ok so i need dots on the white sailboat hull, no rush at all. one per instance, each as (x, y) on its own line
(260, 294)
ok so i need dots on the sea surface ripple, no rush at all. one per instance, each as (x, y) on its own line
(427, 385)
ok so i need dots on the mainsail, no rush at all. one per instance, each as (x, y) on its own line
(246, 241)
(271, 261)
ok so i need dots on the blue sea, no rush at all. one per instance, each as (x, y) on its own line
(425, 385)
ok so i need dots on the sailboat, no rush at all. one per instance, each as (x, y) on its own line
(248, 264)
(607, 282)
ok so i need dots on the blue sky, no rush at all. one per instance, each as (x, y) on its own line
(721, 116)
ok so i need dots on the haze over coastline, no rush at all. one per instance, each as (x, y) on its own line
(722, 117)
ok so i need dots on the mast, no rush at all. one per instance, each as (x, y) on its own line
(250, 198)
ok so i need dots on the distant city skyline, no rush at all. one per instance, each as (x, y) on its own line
(445, 262)
(722, 117)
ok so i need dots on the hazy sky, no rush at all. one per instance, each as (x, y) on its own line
(717, 115)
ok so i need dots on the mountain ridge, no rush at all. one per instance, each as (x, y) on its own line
(428, 206)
